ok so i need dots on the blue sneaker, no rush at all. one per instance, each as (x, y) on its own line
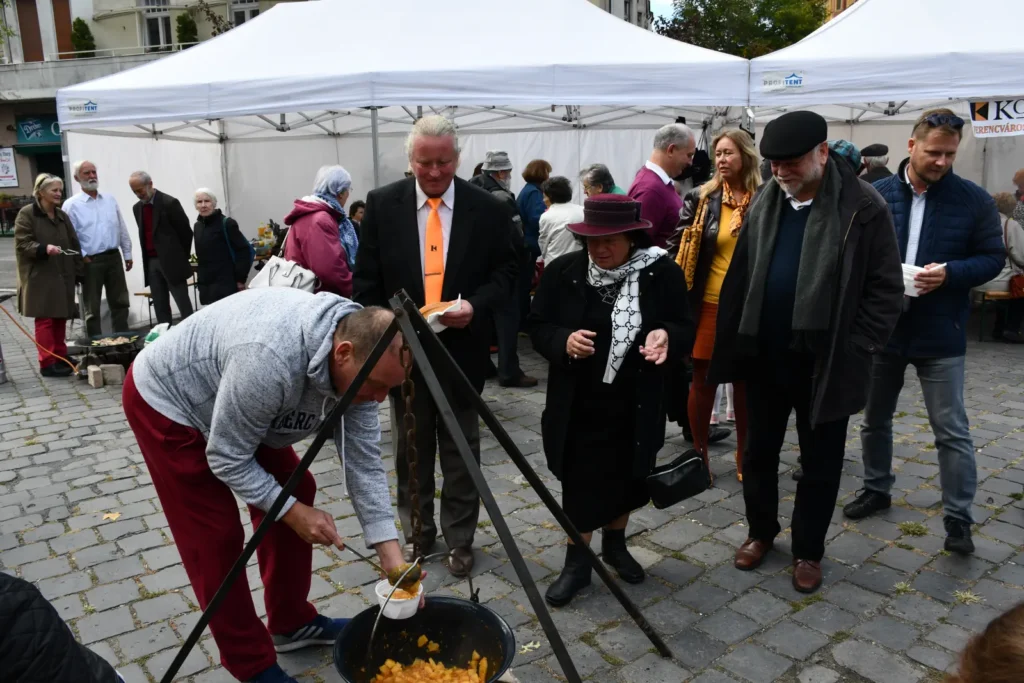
(321, 631)
(275, 674)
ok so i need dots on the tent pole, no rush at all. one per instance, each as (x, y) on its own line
(419, 113)
(66, 159)
(984, 163)
(223, 138)
(376, 147)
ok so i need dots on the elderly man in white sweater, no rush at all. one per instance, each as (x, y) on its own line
(555, 240)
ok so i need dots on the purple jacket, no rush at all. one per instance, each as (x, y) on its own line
(313, 243)
(659, 204)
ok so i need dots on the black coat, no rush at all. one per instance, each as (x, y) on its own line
(874, 175)
(36, 646)
(708, 240)
(172, 236)
(558, 308)
(481, 264)
(867, 306)
(222, 255)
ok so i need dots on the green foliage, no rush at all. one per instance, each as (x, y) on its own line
(186, 30)
(746, 28)
(81, 38)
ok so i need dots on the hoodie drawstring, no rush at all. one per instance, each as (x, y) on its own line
(340, 446)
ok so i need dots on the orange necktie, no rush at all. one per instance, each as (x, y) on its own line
(433, 256)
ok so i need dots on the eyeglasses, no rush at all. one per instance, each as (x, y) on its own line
(951, 120)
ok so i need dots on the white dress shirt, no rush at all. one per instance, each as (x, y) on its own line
(659, 171)
(555, 239)
(98, 224)
(916, 220)
(445, 211)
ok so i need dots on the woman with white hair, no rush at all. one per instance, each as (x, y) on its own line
(223, 254)
(322, 238)
(49, 260)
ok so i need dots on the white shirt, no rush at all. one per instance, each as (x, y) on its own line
(916, 220)
(797, 204)
(555, 239)
(445, 211)
(659, 170)
(98, 224)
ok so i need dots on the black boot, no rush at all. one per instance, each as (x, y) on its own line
(613, 550)
(575, 577)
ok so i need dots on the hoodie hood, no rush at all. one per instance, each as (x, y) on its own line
(318, 327)
(308, 205)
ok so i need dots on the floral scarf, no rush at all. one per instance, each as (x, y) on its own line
(739, 210)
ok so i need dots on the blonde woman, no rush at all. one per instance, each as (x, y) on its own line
(716, 211)
(49, 260)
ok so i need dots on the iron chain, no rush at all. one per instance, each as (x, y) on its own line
(411, 454)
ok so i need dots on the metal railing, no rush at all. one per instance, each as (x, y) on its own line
(132, 51)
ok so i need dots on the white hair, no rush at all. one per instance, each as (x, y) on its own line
(432, 127)
(678, 134)
(142, 176)
(207, 192)
(77, 166)
(876, 162)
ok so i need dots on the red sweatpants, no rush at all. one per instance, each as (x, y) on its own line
(699, 407)
(50, 335)
(204, 520)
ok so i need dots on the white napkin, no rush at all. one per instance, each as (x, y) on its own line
(434, 319)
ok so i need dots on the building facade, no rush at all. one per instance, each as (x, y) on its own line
(836, 7)
(636, 12)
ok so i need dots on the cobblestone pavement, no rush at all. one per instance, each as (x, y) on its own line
(895, 608)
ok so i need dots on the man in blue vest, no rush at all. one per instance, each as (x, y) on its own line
(949, 227)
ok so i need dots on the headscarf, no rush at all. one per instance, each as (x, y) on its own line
(331, 181)
(626, 318)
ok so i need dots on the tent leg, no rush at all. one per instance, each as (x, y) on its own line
(225, 181)
(65, 157)
(374, 128)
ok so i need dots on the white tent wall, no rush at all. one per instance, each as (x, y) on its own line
(177, 168)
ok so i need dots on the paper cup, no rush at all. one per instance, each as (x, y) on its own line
(396, 609)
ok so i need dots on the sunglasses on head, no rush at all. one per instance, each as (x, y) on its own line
(951, 120)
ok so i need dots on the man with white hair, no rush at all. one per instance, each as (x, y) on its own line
(165, 237)
(103, 234)
(874, 161)
(674, 147)
(440, 239)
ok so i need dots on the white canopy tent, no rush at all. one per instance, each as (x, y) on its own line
(884, 53)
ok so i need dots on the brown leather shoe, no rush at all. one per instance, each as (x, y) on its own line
(751, 554)
(806, 575)
(460, 562)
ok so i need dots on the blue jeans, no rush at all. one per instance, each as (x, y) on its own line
(942, 382)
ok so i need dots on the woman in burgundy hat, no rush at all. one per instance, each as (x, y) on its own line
(611, 320)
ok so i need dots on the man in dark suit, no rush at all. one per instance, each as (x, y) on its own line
(165, 236)
(439, 238)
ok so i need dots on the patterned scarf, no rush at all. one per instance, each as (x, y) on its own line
(739, 210)
(346, 231)
(626, 319)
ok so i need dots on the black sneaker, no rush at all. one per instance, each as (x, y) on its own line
(958, 536)
(715, 434)
(867, 503)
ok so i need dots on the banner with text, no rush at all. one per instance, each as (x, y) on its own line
(997, 118)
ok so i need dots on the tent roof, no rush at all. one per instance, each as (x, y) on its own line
(898, 50)
(339, 54)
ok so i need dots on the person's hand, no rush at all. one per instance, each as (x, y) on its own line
(390, 555)
(86, 259)
(460, 317)
(655, 349)
(313, 526)
(52, 250)
(580, 344)
(241, 286)
(128, 265)
(931, 278)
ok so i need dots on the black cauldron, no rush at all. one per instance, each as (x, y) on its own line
(458, 626)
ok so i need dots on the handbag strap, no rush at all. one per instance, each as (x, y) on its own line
(1006, 245)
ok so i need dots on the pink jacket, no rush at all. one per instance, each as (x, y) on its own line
(313, 243)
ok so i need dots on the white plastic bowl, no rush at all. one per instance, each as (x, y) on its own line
(396, 609)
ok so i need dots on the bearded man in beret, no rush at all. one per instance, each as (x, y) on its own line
(814, 290)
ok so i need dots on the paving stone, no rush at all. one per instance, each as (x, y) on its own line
(69, 543)
(852, 548)
(354, 574)
(938, 586)
(112, 594)
(675, 571)
(728, 626)
(756, 664)
(160, 608)
(44, 569)
(973, 617)
(929, 656)
(818, 674)
(970, 568)
(652, 668)
(793, 640)
(24, 555)
(158, 664)
(877, 578)
(116, 530)
(679, 534)
(732, 579)
(713, 676)
(146, 641)
(853, 598)
(703, 597)
(162, 557)
(887, 632)
(949, 637)
(874, 663)
(166, 579)
(69, 607)
(131, 545)
(118, 569)
(94, 555)
(917, 609)
(826, 617)
(64, 585)
(43, 533)
(903, 560)
(103, 625)
(761, 607)
(709, 553)
(694, 649)
(625, 642)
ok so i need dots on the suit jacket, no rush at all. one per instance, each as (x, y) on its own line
(481, 264)
(172, 234)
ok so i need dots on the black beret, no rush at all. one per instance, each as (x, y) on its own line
(792, 135)
(875, 150)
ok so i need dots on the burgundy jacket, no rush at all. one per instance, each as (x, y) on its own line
(659, 204)
(314, 243)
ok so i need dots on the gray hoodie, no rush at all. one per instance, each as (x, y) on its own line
(253, 369)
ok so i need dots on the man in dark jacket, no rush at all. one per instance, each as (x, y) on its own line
(814, 289)
(496, 177)
(165, 235)
(874, 163)
(36, 646)
(951, 239)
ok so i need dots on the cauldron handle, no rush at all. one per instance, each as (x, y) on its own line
(380, 613)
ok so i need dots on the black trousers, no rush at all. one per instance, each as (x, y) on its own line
(162, 291)
(781, 385)
(460, 502)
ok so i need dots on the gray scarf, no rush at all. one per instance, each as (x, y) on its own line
(819, 260)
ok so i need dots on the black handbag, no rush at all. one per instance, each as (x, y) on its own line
(683, 478)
